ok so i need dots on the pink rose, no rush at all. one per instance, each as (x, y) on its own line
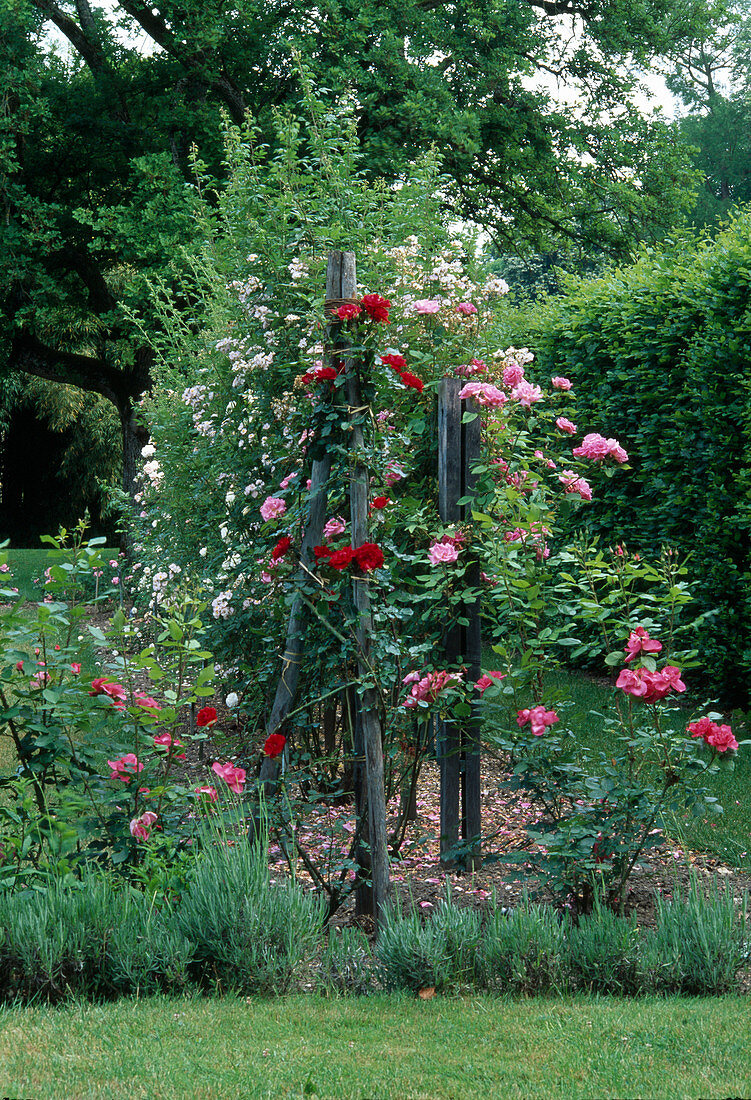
(564, 425)
(572, 483)
(561, 383)
(335, 526)
(721, 738)
(442, 552)
(484, 394)
(487, 679)
(232, 776)
(526, 394)
(593, 446)
(512, 375)
(616, 451)
(466, 308)
(539, 719)
(640, 642)
(273, 507)
(426, 306)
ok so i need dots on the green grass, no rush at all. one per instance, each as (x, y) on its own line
(379, 1048)
(27, 566)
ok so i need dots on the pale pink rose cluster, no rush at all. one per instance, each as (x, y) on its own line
(598, 448)
(538, 718)
(560, 383)
(272, 508)
(426, 689)
(425, 307)
(564, 425)
(572, 483)
(484, 393)
(526, 394)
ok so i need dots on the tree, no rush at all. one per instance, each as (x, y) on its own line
(96, 138)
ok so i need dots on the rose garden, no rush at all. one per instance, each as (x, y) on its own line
(320, 728)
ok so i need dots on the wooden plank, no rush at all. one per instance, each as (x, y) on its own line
(368, 696)
(472, 650)
(448, 739)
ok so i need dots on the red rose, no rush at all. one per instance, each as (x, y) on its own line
(281, 548)
(322, 552)
(326, 374)
(206, 716)
(368, 556)
(348, 311)
(398, 362)
(380, 502)
(274, 745)
(377, 307)
(340, 559)
(413, 381)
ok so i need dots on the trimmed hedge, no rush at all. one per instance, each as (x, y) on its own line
(660, 354)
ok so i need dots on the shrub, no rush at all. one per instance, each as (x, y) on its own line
(604, 952)
(437, 953)
(347, 962)
(249, 934)
(660, 354)
(699, 943)
(524, 951)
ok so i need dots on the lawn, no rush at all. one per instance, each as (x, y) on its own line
(380, 1048)
(28, 566)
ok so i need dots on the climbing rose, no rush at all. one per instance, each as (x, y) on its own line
(340, 559)
(440, 553)
(597, 448)
(274, 744)
(281, 548)
(640, 642)
(466, 308)
(427, 689)
(334, 526)
(572, 483)
(376, 307)
(484, 393)
(326, 374)
(348, 311)
(412, 381)
(526, 394)
(512, 375)
(539, 719)
(232, 776)
(322, 552)
(561, 383)
(206, 717)
(398, 362)
(368, 556)
(565, 425)
(380, 502)
(426, 306)
(273, 507)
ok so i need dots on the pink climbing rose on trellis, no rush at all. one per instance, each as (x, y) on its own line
(272, 508)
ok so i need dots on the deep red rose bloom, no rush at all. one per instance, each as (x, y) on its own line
(322, 552)
(307, 378)
(348, 311)
(281, 548)
(326, 374)
(274, 745)
(398, 362)
(380, 502)
(377, 307)
(206, 716)
(368, 556)
(340, 559)
(412, 380)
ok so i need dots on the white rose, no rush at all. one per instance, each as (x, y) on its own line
(232, 700)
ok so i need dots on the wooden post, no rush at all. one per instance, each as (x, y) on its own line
(448, 737)
(458, 746)
(368, 696)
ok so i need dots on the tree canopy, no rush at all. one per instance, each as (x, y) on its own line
(102, 105)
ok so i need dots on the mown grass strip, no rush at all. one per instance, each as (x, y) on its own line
(379, 1048)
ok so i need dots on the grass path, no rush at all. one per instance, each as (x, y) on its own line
(379, 1048)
